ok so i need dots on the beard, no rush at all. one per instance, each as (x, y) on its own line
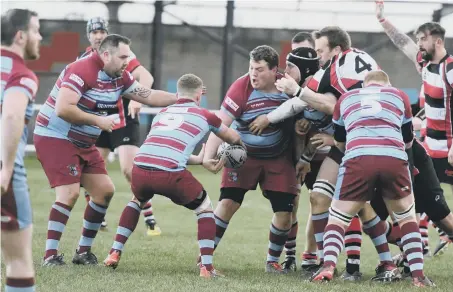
(31, 51)
(428, 55)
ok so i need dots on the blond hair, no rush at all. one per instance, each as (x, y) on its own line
(377, 76)
(189, 85)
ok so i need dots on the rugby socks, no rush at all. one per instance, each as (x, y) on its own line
(309, 258)
(334, 236)
(277, 239)
(220, 229)
(290, 245)
(148, 211)
(319, 224)
(92, 219)
(376, 230)
(20, 285)
(58, 217)
(206, 236)
(128, 221)
(353, 243)
(333, 244)
(412, 246)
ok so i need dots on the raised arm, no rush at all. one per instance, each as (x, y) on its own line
(399, 38)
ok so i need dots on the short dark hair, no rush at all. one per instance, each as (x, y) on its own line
(265, 53)
(432, 28)
(113, 41)
(302, 37)
(335, 36)
(13, 21)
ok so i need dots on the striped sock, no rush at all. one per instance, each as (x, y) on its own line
(376, 229)
(148, 211)
(290, 245)
(206, 236)
(353, 243)
(277, 239)
(309, 258)
(58, 217)
(319, 224)
(128, 221)
(333, 244)
(20, 284)
(220, 229)
(412, 246)
(92, 219)
(423, 226)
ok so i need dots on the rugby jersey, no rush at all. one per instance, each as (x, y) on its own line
(243, 104)
(175, 132)
(438, 93)
(98, 93)
(372, 118)
(17, 77)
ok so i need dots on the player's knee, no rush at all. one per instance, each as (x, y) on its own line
(67, 195)
(127, 172)
(231, 196)
(280, 202)
(407, 215)
(340, 216)
(201, 204)
(322, 192)
(107, 190)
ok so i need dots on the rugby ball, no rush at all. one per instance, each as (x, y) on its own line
(235, 155)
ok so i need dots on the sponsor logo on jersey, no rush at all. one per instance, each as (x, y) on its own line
(231, 103)
(76, 79)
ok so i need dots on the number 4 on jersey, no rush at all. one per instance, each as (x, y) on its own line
(361, 65)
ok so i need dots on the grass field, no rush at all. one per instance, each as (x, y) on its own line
(167, 262)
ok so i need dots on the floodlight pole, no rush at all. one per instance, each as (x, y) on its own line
(228, 50)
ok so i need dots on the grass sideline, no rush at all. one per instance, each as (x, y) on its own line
(167, 262)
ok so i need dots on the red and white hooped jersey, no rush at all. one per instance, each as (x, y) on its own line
(344, 72)
(438, 95)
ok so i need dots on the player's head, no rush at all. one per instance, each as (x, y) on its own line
(263, 67)
(20, 29)
(302, 63)
(330, 41)
(302, 40)
(190, 86)
(97, 30)
(114, 51)
(430, 38)
(376, 77)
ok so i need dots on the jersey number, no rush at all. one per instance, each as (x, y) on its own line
(169, 122)
(370, 105)
(361, 65)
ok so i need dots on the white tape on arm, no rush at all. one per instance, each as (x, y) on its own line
(286, 110)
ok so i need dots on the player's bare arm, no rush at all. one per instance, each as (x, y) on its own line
(288, 109)
(322, 102)
(399, 38)
(13, 122)
(151, 97)
(197, 159)
(213, 144)
(146, 79)
(66, 108)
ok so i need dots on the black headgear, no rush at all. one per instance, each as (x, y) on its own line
(306, 60)
(97, 23)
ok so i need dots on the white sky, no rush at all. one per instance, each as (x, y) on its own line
(351, 15)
